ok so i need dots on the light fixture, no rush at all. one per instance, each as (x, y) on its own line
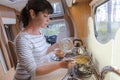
(74, 1)
(69, 3)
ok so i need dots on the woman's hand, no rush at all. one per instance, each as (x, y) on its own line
(65, 64)
(52, 47)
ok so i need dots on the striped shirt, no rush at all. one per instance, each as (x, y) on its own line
(31, 50)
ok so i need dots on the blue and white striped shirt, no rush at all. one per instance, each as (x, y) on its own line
(31, 50)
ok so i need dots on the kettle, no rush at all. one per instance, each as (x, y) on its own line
(78, 47)
(82, 68)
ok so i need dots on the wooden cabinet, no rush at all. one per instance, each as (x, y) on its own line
(80, 13)
(6, 12)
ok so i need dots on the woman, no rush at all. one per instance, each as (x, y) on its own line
(31, 45)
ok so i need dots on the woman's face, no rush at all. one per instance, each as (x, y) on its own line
(41, 19)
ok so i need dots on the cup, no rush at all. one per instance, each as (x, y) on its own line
(59, 53)
(66, 45)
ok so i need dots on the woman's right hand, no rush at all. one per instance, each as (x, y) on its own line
(65, 64)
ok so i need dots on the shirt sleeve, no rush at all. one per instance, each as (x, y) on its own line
(25, 55)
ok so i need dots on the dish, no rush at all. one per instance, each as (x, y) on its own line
(81, 59)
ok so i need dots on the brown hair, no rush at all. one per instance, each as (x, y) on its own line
(37, 6)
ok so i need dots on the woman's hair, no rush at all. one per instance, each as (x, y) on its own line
(37, 6)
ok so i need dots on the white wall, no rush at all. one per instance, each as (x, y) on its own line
(104, 54)
(116, 55)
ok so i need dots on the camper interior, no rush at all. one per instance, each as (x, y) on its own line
(95, 22)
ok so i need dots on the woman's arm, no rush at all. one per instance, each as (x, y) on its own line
(26, 59)
(51, 67)
(25, 56)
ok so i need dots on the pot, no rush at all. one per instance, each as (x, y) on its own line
(82, 68)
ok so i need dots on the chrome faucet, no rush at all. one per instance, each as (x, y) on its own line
(107, 69)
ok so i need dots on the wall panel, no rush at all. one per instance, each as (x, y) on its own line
(7, 12)
(80, 13)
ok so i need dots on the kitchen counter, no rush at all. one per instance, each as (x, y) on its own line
(56, 75)
(60, 74)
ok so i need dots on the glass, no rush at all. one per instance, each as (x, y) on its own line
(58, 9)
(107, 20)
(54, 27)
(66, 46)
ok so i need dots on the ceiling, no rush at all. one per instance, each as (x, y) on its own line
(19, 4)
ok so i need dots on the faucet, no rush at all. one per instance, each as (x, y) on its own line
(107, 69)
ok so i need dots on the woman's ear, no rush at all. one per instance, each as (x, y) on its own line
(32, 13)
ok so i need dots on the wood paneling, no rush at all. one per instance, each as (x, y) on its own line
(7, 12)
(15, 28)
(83, 0)
(4, 44)
(11, 13)
(68, 19)
(80, 13)
(13, 53)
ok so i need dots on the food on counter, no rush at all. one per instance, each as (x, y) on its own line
(81, 59)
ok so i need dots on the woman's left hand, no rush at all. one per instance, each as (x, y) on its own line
(52, 47)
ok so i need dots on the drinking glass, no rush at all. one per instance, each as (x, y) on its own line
(66, 45)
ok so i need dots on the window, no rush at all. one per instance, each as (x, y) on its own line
(2, 61)
(53, 27)
(9, 32)
(58, 10)
(4, 49)
(107, 20)
(53, 31)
